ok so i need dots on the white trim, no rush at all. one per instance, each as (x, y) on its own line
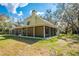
(26, 31)
(21, 32)
(44, 31)
(49, 31)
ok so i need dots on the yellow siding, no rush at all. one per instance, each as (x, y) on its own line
(34, 21)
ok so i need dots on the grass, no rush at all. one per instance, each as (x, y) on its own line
(72, 36)
(14, 45)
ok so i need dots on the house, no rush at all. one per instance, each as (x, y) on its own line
(36, 27)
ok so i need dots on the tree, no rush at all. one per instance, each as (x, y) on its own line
(48, 15)
(3, 20)
(68, 13)
(5, 23)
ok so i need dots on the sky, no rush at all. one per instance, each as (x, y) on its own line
(23, 10)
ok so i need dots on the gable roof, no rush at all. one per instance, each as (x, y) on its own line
(36, 20)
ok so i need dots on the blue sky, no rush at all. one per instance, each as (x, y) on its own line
(24, 11)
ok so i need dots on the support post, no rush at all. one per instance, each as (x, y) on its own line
(21, 33)
(53, 31)
(9, 32)
(44, 31)
(26, 31)
(49, 31)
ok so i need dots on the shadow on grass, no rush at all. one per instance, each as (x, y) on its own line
(28, 40)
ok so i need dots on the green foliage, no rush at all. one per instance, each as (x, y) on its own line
(2, 38)
(53, 39)
(72, 36)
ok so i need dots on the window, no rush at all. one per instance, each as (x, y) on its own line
(28, 22)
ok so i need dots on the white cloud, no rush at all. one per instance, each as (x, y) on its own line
(23, 4)
(4, 4)
(40, 13)
(13, 6)
(30, 12)
(20, 13)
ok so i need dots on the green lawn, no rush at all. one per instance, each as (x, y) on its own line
(58, 45)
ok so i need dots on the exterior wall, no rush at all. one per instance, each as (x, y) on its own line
(35, 21)
(39, 31)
